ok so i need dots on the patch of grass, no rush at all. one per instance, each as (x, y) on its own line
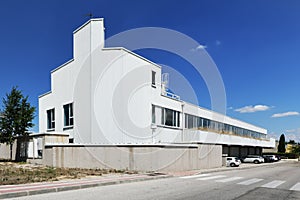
(20, 173)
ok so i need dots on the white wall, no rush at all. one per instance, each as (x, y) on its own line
(139, 158)
(112, 94)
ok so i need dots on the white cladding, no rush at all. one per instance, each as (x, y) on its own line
(112, 94)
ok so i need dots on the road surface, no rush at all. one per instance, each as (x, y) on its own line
(275, 181)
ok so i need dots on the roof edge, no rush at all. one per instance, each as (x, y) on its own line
(86, 23)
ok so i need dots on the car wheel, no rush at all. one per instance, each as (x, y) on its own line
(232, 165)
(256, 161)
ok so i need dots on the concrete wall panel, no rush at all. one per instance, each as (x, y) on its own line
(153, 158)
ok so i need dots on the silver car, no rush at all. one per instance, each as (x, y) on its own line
(253, 159)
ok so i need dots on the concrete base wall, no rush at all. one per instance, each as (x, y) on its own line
(139, 158)
(5, 151)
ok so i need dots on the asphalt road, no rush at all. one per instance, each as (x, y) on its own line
(279, 181)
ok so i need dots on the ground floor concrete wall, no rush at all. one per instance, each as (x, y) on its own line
(139, 158)
(5, 151)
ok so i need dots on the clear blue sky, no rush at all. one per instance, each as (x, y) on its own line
(255, 44)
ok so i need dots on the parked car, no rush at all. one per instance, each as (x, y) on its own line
(267, 159)
(270, 158)
(232, 162)
(278, 157)
(253, 159)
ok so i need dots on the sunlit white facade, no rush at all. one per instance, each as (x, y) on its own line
(114, 96)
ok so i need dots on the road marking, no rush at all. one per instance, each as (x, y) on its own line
(211, 177)
(296, 187)
(229, 179)
(273, 184)
(251, 181)
(195, 176)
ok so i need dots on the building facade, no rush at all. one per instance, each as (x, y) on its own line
(112, 96)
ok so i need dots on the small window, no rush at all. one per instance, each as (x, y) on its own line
(68, 115)
(50, 120)
(153, 79)
(153, 114)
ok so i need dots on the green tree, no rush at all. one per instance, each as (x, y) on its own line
(296, 149)
(16, 119)
(291, 142)
(281, 145)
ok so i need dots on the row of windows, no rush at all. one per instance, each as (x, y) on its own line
(165, 116)
(169, 117)
(68, 117)
(194, 122)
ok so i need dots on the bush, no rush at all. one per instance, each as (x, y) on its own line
(285, 155)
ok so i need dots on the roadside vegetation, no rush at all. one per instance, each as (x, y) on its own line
(19, 173)
(15, 117)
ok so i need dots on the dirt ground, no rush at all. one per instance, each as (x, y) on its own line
(20, 173)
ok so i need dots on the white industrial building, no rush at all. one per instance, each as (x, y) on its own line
(107, 97)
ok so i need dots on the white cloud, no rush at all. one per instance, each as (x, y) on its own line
(218, 43)
(252, 109)
(199, 47)
(286, 114)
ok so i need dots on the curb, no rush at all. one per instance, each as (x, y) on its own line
(77, 186)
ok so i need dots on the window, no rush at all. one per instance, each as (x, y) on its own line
(170, 117)
(50, 120)
(68, 115)
(153, 79)
(153, 114)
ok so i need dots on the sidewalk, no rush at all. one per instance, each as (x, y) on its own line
(10, 191)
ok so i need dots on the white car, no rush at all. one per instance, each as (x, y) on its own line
(232, 162)
(253, 159)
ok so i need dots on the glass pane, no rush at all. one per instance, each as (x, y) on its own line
(169, 117)
(53, 115)
(153, 77)
(49, 119)
(71, 110)
(71, 121)
(153, 114)
(66, 115)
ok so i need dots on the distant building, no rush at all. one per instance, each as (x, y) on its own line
(271, 150)
(289, 148)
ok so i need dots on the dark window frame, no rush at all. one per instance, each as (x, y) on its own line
(68, 116)
(50, 119)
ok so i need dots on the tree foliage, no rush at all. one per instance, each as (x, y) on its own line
(16, 117)
(296, 149)
(281, 145)
(292, 142)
